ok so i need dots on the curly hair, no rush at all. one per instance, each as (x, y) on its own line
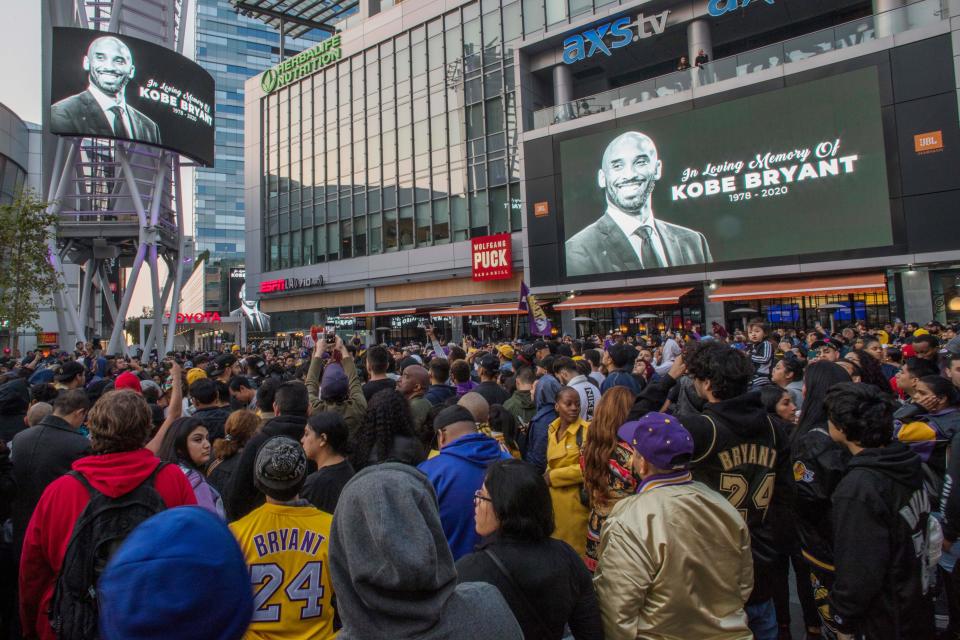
(728, 370)
(240, 426)
(387, 416)
(601, 440)
(862, 413)
(119, 421)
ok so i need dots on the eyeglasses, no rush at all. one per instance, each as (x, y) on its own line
(478, 497)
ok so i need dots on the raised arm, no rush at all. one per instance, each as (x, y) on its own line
(174, 407)
(313, 374)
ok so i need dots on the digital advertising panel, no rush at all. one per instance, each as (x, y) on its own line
(793, 171)
(107, 85)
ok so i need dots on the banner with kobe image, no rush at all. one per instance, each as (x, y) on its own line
(794, 171)
(108, 85)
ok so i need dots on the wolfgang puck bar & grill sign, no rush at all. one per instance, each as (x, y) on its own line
(492, 259)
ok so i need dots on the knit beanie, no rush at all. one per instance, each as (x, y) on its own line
(195, 374)
(334, 383)
(127, 380)
(281, 466)
(164, 582)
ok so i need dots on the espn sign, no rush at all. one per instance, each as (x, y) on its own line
(492, 258)
(286, 284)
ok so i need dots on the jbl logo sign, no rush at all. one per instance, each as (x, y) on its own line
(929, 142)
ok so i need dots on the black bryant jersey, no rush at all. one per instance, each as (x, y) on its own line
(741, 467)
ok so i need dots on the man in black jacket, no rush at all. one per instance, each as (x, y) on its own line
(206, 398)
(491, 391)
(14, 400)
(290, 404)
(880, 516)
(738, 451)
(43, 453)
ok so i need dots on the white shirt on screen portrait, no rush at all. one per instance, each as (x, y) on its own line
(630, 224)
(107, 102)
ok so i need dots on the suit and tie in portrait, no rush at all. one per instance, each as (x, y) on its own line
(628, 237)
(101, 110)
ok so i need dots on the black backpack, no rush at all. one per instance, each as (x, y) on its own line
(104, 524)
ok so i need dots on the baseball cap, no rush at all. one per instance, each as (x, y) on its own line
(69, 371)
(490, 364)
(540, 344)
(660, 438)
(452, 415)
(221, 364)
(506, 351)
(281, 466)
(825, 343)
(195, 374)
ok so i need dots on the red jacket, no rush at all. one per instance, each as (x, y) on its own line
(60, 506)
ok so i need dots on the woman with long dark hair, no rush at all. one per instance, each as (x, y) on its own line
(779, 402)
(185, 444)
(818, 466)
(605, 461)
(541, 578)
(871, 370)
(387, 433)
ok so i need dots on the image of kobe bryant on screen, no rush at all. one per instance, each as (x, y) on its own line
(627, 237)
(102, 109)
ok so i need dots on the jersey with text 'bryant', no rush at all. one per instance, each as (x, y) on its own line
(739, 463)
(286, 547)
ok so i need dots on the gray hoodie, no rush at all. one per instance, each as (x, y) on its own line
(392, 571)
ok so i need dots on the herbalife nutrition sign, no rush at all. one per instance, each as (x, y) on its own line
(301, 65)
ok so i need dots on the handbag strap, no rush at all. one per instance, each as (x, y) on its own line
(544, 631)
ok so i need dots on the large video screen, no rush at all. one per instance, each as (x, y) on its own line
(794, 171)
(114, 86)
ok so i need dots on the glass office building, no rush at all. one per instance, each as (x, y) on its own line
(412, 143)
(440, 123)
(232, 48)
(14, 147)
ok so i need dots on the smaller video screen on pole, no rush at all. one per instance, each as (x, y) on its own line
(108, 85)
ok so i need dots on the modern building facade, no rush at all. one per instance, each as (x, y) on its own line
(233, 48)
(369, 171)
(21, 167)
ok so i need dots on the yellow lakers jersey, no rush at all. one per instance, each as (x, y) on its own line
(286, 550)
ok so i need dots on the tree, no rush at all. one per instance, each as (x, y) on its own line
(27, 277)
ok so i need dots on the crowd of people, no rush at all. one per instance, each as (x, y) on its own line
(615, 486)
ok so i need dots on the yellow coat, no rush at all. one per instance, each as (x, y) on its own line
(566, 478)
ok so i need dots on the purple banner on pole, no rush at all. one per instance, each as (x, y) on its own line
(540, 324)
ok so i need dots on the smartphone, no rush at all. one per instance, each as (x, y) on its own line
(331, 333)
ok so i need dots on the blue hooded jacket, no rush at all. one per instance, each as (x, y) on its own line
(547, 389)
(455, 475)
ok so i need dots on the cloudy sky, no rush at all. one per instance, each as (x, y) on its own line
(20, 49)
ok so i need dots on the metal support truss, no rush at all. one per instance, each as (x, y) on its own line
(119, 204)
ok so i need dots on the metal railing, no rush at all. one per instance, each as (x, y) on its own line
(843, 36)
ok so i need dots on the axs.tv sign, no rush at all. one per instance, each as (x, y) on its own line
(615, 34)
